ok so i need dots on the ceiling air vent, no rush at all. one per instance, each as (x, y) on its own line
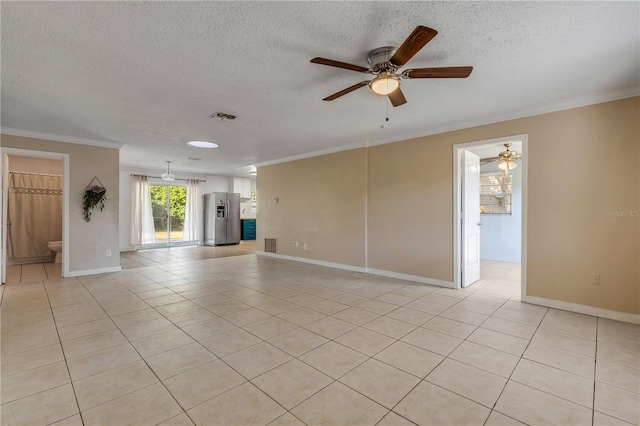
(223, 116)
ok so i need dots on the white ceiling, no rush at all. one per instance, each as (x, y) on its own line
(148, 74)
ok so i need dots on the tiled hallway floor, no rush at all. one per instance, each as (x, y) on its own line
(251, 340)
(158, 256)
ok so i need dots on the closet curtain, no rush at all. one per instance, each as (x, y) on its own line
(34, 216)
(190, 231)
(143, 230)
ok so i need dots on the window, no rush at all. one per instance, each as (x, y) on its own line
(495, 193)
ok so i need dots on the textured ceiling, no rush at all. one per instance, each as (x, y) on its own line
(148, 74)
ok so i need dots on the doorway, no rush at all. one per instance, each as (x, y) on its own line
(41, 159)
(168, 204)
(490, 217)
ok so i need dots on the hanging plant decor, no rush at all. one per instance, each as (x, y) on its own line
(94, 197)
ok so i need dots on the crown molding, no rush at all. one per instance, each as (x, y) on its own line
(566, 104)
(532, 112)
(311, 154)
(59, 138)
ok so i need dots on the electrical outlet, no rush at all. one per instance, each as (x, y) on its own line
(595, 279)
(295, 244)
(305, 246)
(108, 253)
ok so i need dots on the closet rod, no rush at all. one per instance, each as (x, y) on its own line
(33, 173)
(160, 177)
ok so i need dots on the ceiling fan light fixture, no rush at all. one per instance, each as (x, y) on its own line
(507, 165)
(168, 176)
(202, 144)
(384, 84)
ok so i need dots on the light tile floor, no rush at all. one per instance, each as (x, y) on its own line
(253, 340)
(157, 256)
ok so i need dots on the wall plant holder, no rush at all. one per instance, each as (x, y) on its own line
(94, 197)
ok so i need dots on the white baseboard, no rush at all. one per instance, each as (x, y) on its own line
(94, 271)
(313, 261)
(583, 309)
(414, 278)
(550, 303)
(389, 274)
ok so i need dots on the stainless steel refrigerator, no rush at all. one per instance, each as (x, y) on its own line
(221, 218)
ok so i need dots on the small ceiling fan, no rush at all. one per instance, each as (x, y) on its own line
(385, 62)
(507, 158)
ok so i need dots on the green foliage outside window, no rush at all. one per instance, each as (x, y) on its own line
(178, 202)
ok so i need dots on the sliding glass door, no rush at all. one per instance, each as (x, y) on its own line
(168, 203)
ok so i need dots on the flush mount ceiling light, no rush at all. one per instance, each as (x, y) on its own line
(168, 176)
(384, 84)
(202, 144)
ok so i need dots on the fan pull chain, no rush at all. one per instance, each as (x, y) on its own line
(383, 99)
(386, 102)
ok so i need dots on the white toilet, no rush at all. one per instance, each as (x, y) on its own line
(57, 247)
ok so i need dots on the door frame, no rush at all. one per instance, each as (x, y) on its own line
(65, 204)
(457, 205)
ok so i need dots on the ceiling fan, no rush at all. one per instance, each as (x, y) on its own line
(385, 62)
(507, 158)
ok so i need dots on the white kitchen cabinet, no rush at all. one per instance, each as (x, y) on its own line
(242, 186)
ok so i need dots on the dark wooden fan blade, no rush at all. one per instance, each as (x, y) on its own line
(338, 64)
(397, 97)
(416, 41)
(345, 91)
(443, 72)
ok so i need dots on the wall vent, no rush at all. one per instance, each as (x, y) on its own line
(270, 245)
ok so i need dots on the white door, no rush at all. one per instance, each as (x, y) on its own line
(470, 218)
(4, 183)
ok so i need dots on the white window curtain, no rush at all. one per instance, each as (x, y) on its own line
(143, 230)
(190, 231)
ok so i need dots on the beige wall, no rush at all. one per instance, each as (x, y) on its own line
(582, 162)
(321, 202)
(417, 240)
(88, 241)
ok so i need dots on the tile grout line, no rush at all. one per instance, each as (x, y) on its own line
(424, 379)
(396, 340)
(247, 380)
(516, 366)
(64, 355)
(357, 326)
(141, 358)
(297, 357)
